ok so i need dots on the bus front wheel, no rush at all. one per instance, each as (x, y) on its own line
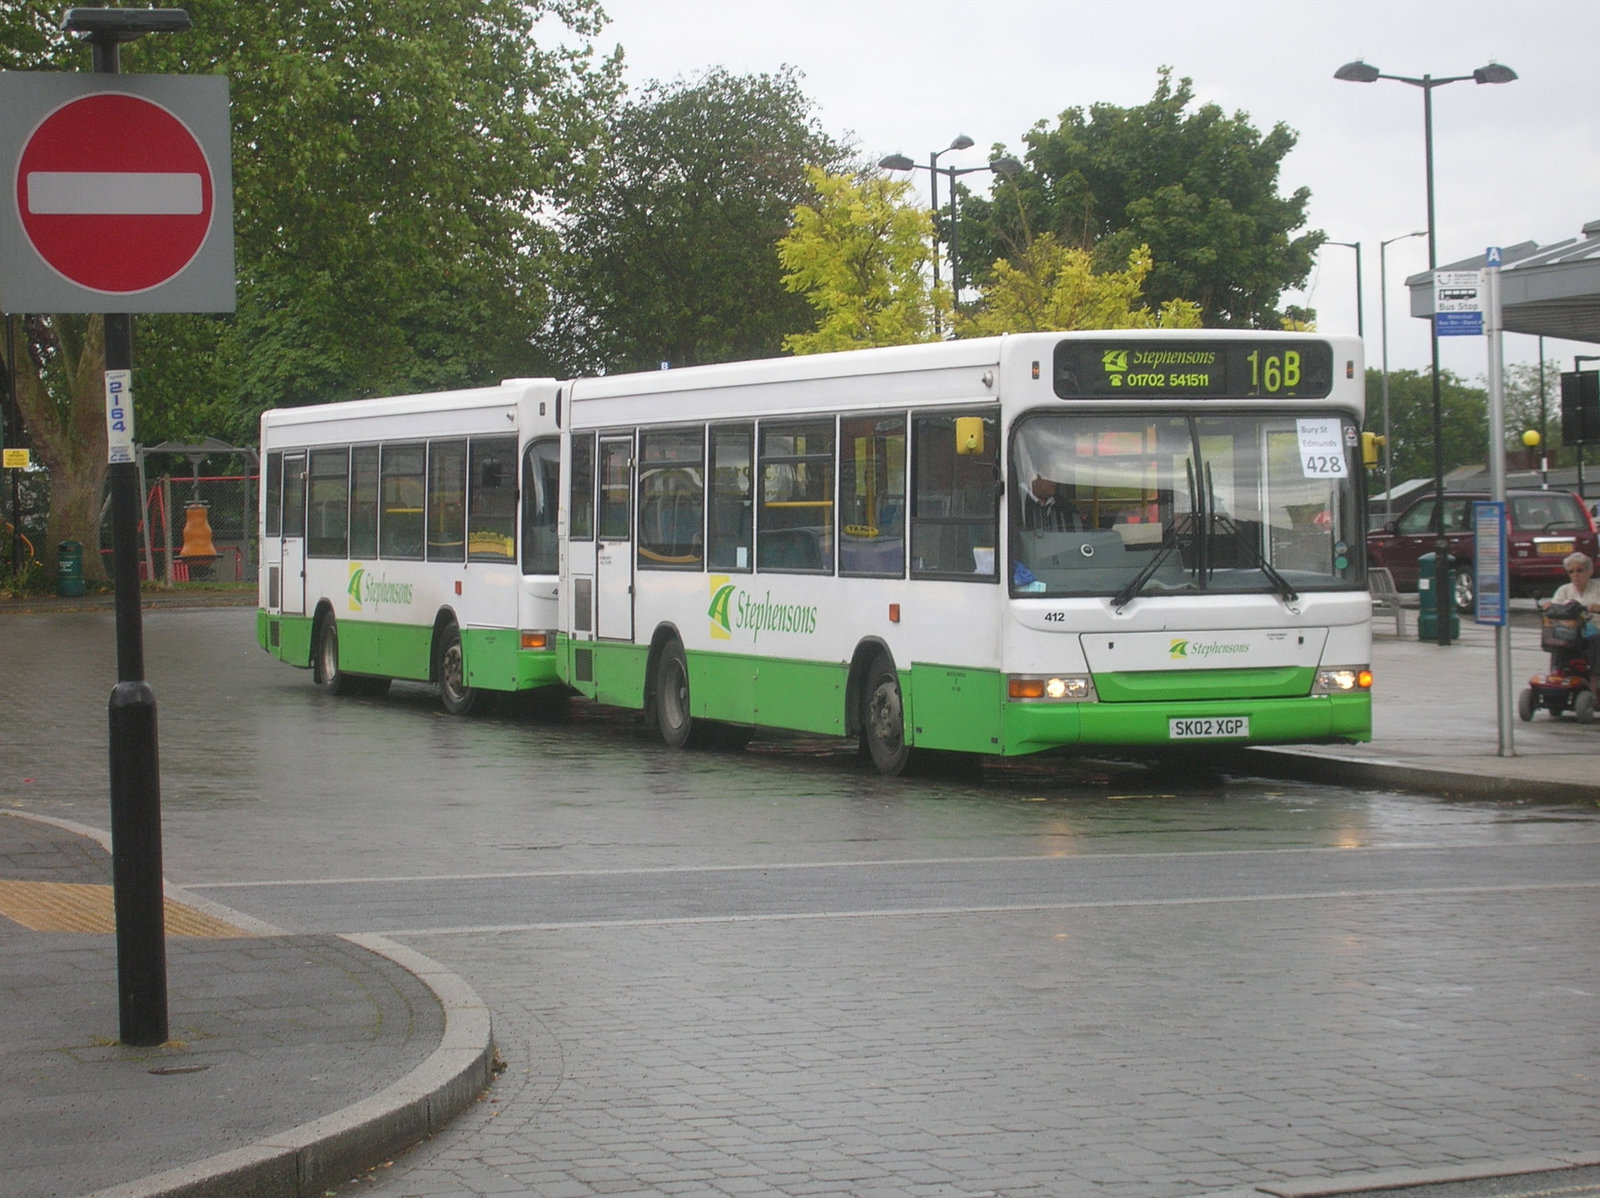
(458, 698)
(672, 696)
(325, 659)
(883, 724)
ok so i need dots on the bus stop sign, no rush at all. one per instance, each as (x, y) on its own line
(115, 200)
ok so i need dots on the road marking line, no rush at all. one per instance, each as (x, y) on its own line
(995, 909)
(777, 866)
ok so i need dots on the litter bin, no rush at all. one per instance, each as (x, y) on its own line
(69, 569)
(1427, 605)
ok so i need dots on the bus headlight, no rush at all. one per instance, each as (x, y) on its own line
(1340, 680)
(1060, 688)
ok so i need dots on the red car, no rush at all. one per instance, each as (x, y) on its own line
(1542, 528)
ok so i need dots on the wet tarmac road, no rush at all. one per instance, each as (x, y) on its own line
(775, 972)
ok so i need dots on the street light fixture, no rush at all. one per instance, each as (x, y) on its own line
(899, 162)
(1494, 72)
(1383, 310)
(1356, 246)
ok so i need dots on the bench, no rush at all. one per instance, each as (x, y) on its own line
(1386, 597)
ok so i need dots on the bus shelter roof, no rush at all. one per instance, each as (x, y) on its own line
(1545, 290)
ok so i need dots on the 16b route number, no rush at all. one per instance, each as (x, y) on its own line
(1273, 373)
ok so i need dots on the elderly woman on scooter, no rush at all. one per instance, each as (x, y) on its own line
(1582, 587)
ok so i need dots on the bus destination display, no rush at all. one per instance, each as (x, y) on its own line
(1264, 369)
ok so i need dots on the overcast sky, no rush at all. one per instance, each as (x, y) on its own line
(1513, 163)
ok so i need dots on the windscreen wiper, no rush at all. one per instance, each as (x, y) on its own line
(1280, 584)
(1136, 584)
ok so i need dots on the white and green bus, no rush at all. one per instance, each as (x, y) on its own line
(992, 546)
(414, 537)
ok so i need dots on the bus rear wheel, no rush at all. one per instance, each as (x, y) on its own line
(458, 698)
(883, 718)
(678, 727)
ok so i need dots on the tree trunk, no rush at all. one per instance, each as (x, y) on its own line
(60, 374)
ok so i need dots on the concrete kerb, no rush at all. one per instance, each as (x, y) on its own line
(1309, 765)
(306, 1159)
(1378, 1180)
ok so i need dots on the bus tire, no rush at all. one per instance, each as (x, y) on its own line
(883, 718)
(673, 718)
(325, 669)
(450, 669)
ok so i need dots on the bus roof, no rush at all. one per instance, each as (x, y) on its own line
(945, 372)
(439, 413)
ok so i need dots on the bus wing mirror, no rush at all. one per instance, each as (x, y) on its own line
(969, 434)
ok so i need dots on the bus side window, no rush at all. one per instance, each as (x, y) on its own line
(729, 539)
(492, 499)
(273, 491)
(294, 494)
(955, 502)
(364, 501)
(581, 505)
(872, 495)
(541, 473)
(671, 498)
(795, 532)
(328, 501)
(447, 501)
(400, 520)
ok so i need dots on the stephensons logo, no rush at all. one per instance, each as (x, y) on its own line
(1183, 647)
(1158, 367)
(734, 608)
(366, 591)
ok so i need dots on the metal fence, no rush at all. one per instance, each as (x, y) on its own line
(196, 528)
(173, 543)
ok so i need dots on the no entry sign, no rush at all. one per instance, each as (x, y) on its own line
(118, 194)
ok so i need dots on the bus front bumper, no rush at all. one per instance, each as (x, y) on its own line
(1035, 727)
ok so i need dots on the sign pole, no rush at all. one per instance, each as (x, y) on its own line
(135, 762)
(1497, 483)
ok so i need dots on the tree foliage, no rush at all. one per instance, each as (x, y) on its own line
(392, 169)
(1464, 421)
(1050, 286)
(858, 256)
(672, 257)
(1198, 187)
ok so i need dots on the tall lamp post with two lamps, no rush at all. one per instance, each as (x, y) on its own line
(899, 162)
(1494, 72)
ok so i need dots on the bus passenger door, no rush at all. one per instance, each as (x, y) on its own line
(292, 555)
(613, 569)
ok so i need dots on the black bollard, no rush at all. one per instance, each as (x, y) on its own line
(136, 865)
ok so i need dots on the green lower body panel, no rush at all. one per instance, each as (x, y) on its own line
(967, 710)
(495, 660)
(493, 657)
(288, 638)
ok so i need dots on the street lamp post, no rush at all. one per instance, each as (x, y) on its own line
(1383, 316)
(899, 162)
(1362, 72)
(1356, 246)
